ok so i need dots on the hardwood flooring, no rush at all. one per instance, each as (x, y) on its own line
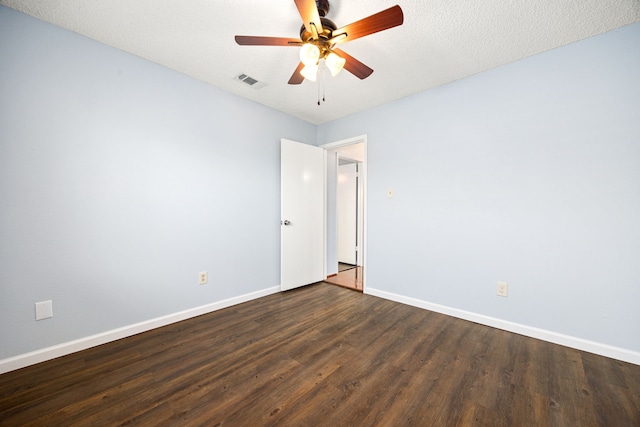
(351, 278)
(324, 356)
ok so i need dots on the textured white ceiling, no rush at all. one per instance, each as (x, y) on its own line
(439, 42)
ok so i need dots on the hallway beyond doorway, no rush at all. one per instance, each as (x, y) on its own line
(343, 266)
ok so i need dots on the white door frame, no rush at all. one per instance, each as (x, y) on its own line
(347, 222)
(337, 144)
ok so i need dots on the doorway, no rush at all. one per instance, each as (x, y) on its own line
(346, 212)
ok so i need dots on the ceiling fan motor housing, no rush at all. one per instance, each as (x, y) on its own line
(328, 27)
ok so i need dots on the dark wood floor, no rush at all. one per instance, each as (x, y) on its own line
(324, 356)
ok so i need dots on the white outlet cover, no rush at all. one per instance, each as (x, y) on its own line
(44, 310)
(502, 289)
(202, 278)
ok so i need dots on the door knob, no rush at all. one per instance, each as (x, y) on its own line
(286, 222)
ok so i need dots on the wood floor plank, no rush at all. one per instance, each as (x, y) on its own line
(210, 406)
(280, 400)
(480, 416)
(45, 397)
(344, 384)
(612, 402)
(494, 371)
(93, 406)
(324, 355)
(360, 389)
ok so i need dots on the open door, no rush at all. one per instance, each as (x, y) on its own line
(301, 214)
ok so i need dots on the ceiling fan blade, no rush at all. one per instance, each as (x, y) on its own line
(309, 13)
(267, 41)
(296, 77)
(354, 66)
(380, 21)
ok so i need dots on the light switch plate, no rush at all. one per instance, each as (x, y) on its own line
(390, 192)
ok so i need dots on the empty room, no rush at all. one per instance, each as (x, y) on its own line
(169, 177)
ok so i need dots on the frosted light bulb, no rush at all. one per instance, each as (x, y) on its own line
(309, 54)
(334, 63)
(310, 72)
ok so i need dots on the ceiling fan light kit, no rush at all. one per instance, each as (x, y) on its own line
(310, 57)
(319, 36)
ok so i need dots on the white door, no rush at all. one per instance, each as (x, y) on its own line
(301, 214)
(346, 206)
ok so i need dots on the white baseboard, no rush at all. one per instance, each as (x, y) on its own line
(27, 359)
(541, 334)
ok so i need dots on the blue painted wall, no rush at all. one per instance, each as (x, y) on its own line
(528, 174)
(120, 181)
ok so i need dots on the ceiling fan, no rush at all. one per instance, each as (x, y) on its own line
(319, 36)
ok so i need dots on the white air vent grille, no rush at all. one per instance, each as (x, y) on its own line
(250, 81)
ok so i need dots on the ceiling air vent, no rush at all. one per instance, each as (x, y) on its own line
(250, 81)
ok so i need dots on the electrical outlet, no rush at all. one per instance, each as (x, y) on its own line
(44, 310)
(202, 278)
(502, 289)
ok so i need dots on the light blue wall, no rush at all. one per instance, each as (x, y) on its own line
(120, 180)
(529, 174)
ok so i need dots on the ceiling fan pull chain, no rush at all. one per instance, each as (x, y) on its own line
(323, 86)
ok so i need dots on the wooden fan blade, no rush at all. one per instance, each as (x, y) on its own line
(309, 13)
(354, 66)
(267, 41)
(296, 77)
(380, 21)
